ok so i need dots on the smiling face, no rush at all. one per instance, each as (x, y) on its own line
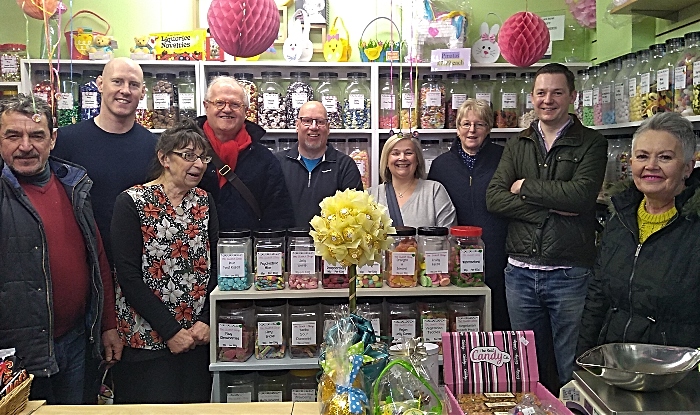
(181, 173)
(473, 137)
(551, 98)
(312, 137)
(121, 85)
(25, 144)
(657, 163)
(403, 161)
(225, 122)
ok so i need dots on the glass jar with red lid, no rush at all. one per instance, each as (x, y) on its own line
(466, 256)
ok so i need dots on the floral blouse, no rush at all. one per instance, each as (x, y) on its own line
(175, 261)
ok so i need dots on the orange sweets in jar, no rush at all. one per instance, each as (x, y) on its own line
(402, 259)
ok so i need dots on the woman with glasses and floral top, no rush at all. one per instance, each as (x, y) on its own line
(163, 232)
(466, 171)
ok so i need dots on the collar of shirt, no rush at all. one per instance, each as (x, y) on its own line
(468, 159)
(560, 132)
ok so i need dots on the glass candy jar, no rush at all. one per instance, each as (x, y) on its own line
(271, 329)
(304, 329)
(358, 150)
(686, 87)
(433, 320)
(401, 259)
(303, 272)
(432, 102)
(457, 93)
(403, 318)
(235, 260)
(238, 387)
(246, 80)
(506, 105)
(164, 93)
(330, 95)
(299, 92)
(483, 89)
(433, 256)
(356, 107)
(144, 110)
(335, 275)
(465, 316)
(466, 256)
(526, 107)
(272, 386)
(269, 259)
(68, 104)
(303, 385)
(409, 102)
(235, 331)
(272, 113)
(388, 91)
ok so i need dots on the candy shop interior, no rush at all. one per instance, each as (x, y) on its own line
(406, 329)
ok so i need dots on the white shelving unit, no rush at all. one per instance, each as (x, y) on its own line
(630, 127)
(218, 296)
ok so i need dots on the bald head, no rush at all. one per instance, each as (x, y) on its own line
(121, 86)
(227, 82)
(313, 106)
(122, 63)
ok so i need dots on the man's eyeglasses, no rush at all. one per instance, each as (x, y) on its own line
(220, 104)
(192, 157)
(308, 121)
(477, 125)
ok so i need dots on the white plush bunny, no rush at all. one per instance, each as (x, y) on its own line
(298, 47)
(485, 49)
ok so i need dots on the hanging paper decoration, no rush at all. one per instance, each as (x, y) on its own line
(37, 8)
(485, 49)
(584, 12)
(524, 39)
(243, 28)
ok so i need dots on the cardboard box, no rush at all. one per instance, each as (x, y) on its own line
(181, 46)
(479, 362)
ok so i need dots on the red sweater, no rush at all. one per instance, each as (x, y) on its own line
(69, 270)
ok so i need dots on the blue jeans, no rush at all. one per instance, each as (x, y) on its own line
(537, 299)
(65, 387)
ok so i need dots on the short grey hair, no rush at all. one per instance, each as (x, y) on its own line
(675, 124)
(27, 105)
(231, 81)
(384, 171)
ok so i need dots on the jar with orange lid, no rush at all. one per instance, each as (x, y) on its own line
(402, 259)
(466, 256)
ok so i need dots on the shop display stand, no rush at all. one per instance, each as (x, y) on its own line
(217, 296)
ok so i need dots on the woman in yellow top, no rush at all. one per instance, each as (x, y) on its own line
(647, 276)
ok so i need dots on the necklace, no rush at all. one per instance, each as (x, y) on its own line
(400, 194)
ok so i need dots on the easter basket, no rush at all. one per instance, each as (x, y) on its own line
(80, 39)
(377, 50)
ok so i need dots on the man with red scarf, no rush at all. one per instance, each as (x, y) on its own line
(236, 141)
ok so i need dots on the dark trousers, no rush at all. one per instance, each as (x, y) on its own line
(182, 378)
(65, 387)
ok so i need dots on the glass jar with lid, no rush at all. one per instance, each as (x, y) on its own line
(335, 275)
(401, 259)
(587, 94)
(339, 144)
(457, 92)
(68, 103)
(466, 256)
(403, 319)
(666, 74)
(684, 75)
(303, 385)
(635, 86)
(648, 81)
(358, 150)
(301, 259)
(272, 386)
(432, 102)
(238, 387)
(304, 329)
(235, 251)
(44, 88)
(10, 56)
(526, 107)
(465, 316)
(433, 256)
(186, 95)
(607, 91)
(299, 92)
(271, 329)
(272, 112)
(482, 87)
(165, 110)
(328, 92)
(235, 331)
(356, 107)
(269, 251)
(622, 89)
(144, 111)
(598, 79)
(506, 103)
(618, 168)
(432, 312)
(409, 102)
(372, 309)
(247, 81)
(431, 150)
(90, 96)
(388, 91)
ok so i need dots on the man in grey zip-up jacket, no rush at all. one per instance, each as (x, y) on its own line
(315, 170)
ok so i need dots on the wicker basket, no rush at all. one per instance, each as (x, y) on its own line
(375, 50)
(15, 401)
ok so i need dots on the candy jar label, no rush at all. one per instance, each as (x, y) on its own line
(186, 101)
(232, 265)
(645, 81)
(303, 395)
(269, 333)
(303, 333)
(436, 262)
(299, 99)
(680, 77)
(403, 329)
(356, 102)
(471, 260)
(606, 94)
(238, 397)
(230, 335)
(388, 101)
(433, 99)
(375, 326)
(509, 100)
(161, 101)
(270, 396)
(89, 100)
(369, 269)
(334, 268)
(271, 102)
(588, 98)
(269, 263)
(303, 263)
(662, 78)
(403, 263)
(529, 105)
(596, 96)
(42, 95)
(143, 103)
(433, 329)
(484, 95)
(632, 82)
(330, 103)
(458, 99)
(408, 100)
(696, 73)
(467, 323)
(65, 101)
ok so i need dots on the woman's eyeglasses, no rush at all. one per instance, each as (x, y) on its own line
(477, 125)
(192, 157)
(220, 104)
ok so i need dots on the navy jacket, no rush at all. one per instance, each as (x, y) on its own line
(260, 171)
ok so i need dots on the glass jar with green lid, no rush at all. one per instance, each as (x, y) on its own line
(329, 93)
(186, 95)
(506, 100)
(457, 91)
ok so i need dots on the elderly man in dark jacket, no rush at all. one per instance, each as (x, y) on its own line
(546, 184)
(245, 178)
(56, 288)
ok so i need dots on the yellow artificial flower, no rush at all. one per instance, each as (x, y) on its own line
(352, 228)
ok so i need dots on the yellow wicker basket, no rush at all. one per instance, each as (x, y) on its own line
(15, 401)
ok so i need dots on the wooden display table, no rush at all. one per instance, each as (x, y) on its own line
(258, 408)
(305, 408)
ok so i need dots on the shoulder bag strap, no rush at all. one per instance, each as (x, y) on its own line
(226, 171)
(393, 205)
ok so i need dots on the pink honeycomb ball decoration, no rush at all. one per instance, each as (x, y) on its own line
(37, 8)
(583, 11)
(523, 39)
(244, 28)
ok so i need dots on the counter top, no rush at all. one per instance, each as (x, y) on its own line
(305, 408)
(258, 408)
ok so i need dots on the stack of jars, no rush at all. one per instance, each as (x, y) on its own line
(269, 386)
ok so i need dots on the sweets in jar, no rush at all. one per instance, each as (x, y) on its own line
(402, 259)
(235, 331)
(466, 256)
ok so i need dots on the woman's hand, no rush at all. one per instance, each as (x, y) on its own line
(200, 333)
(181, 342)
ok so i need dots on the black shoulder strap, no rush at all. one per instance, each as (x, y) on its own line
(393, 205)
(226, 171)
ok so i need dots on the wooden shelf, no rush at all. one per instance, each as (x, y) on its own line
(667, 10)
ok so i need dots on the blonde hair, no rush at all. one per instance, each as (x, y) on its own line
(384, 172)
(481, 108)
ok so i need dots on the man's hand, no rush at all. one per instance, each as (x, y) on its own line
(515, 187)
(200, 333)
(113, 346)
(181, 342)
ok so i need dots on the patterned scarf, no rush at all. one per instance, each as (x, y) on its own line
(228, 151)
(469, 160)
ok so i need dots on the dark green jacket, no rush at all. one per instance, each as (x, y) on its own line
(568, 179)
(646, 293)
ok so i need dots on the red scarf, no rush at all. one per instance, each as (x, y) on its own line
(227, 151)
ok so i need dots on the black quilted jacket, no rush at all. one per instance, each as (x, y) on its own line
(567, 178)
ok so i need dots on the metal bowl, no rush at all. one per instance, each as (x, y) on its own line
(640, 367)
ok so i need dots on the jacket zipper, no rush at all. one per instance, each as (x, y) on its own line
(308, 184)
(94, 285)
